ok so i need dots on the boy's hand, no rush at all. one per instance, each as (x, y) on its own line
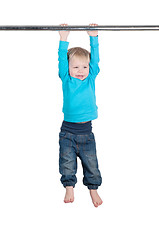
(64, 34)
(93, 33)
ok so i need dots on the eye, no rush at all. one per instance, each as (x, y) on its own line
(85, 67)
(75, 67)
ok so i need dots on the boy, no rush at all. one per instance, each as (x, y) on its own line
(78, 69)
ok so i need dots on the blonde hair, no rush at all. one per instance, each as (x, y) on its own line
(78, 52)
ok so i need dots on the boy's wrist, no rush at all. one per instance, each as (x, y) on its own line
(63, 39)
(94, 36)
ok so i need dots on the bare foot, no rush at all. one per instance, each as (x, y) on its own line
(69, 196)
(97, 201)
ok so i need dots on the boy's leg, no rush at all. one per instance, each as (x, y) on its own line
(92, 176)
(67, 164)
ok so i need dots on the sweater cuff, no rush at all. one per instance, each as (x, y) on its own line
(63, 45)
(94, 41)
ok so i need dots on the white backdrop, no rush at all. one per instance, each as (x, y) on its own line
(127, 130)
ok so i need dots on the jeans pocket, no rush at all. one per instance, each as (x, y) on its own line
(91, 137)
(65, 143)
(90, 146)
(62, 135)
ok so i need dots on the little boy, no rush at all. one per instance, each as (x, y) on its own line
(78, 69)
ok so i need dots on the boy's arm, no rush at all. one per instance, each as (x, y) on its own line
(62, 54)
(63, 61)
(94, 58)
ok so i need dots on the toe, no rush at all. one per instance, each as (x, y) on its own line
(95, 204)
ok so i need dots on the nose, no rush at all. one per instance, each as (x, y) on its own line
(80, 70)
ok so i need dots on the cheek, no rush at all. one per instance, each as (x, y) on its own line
(87, 71)
(71, 71)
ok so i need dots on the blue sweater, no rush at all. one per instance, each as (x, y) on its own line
(79, 100)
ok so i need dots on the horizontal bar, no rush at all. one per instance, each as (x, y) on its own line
(81, 28)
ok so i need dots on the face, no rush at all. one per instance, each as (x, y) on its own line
(79, 67)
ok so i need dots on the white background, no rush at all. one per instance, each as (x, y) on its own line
(127, 130)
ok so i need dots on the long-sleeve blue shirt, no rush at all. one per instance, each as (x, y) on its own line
(79, 100)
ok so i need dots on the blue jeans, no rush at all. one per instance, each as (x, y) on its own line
(84, 147)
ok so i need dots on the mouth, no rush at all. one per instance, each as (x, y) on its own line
(80, 76)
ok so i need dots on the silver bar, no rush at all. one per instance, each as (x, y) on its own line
(80, 28)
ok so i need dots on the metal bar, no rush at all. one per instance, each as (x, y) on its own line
(80, 28)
